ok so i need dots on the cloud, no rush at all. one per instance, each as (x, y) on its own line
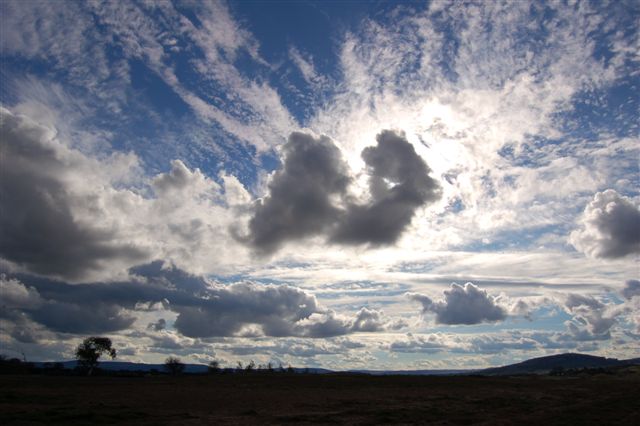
(306, 68)
(592, 320)
(14, 294)
(631, 289)
(203, 308)
(24, 304)
(609, 227)
(368, 320)
(299, 203)
(178, 179)
(309, 195)
(40, 232)
(82, 318)
(227, 311)
(399, 184)
(298, 347)
(331, 324)
(430, 344)
(88, 216)
(466, 304)
(159, 325)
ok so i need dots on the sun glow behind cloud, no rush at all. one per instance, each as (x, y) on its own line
(150, 132)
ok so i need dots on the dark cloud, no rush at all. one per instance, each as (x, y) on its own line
(24, 304)
(631, 289)
(227, 310)
(399, 183)
(610, 227)
(82, 318)
(203, 308)
(308, 196)
(299, 202)
(466, 304)
(159, 325)
(38, 230)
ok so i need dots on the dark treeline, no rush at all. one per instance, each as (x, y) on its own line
(172, 366)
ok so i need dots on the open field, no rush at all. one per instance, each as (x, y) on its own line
(319, 399)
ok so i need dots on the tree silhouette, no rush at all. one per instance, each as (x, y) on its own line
(173, 365)
(90, 350)
(214, 367)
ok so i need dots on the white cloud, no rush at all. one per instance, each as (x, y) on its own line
(466, 304)
(115, 225)
(609, 227)
(307, 69)
(484, 91)
(17, 295)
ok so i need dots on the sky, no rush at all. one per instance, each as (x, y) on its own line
(346, 185)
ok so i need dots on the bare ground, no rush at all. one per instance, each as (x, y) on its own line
(319, 399)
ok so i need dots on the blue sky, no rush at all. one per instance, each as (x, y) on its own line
(340, 184)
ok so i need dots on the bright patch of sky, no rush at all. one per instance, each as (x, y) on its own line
(315, 183)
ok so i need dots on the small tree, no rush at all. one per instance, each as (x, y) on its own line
(173, 365)
(214, 367)
(250, 367)
(90, 350)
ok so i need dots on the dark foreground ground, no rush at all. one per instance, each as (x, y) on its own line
(320, 399)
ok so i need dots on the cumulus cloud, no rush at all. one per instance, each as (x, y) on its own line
(80, 216)
(227, 310)
(399, 183)
(180, 179)
(203, 308)
(592, 319)
(466, 304)
(609, 227)
(26, 304)
(40, 231)
(159, 325)
(330, 324)
(368, 320)
(299, 203)
(309, 195)
(14, 294)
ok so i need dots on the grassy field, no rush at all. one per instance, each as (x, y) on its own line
(319, 399)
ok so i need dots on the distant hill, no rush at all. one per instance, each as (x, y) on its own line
(412, 372)
(546, 364)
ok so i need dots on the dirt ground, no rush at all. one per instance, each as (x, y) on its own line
(319, 399)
